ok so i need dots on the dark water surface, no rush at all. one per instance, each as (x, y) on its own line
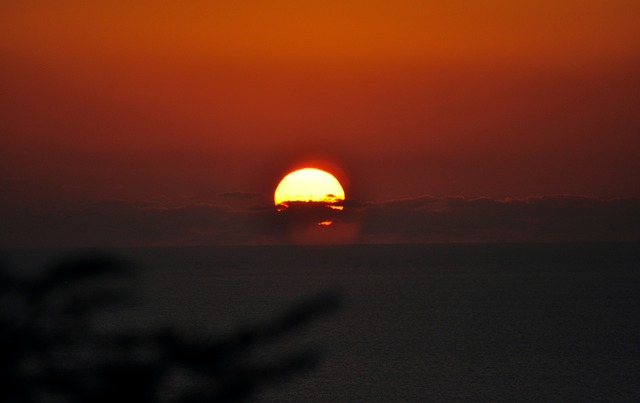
(543, 322)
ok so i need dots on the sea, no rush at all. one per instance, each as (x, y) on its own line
(350, 323)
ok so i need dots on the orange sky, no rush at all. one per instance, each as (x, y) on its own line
(177, 101)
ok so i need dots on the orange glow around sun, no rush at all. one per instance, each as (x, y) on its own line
(309, 185)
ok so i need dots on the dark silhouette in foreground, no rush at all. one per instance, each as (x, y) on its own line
(51, 351)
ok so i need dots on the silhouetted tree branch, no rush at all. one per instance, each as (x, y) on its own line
(50, 352)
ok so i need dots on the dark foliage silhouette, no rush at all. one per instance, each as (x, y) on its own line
(51, 352)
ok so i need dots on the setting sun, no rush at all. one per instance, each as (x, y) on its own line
(308, 185)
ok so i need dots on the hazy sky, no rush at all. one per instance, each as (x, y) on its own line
(179, 102)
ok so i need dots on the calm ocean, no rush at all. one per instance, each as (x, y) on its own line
(503, 322)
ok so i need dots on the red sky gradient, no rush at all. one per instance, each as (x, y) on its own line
(178, 102)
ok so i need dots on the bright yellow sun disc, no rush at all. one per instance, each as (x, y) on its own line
(308, 185)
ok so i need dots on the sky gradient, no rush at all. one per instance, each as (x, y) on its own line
(173, 104)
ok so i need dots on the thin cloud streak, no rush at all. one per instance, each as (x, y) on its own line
(559, 218)
(244, 218)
